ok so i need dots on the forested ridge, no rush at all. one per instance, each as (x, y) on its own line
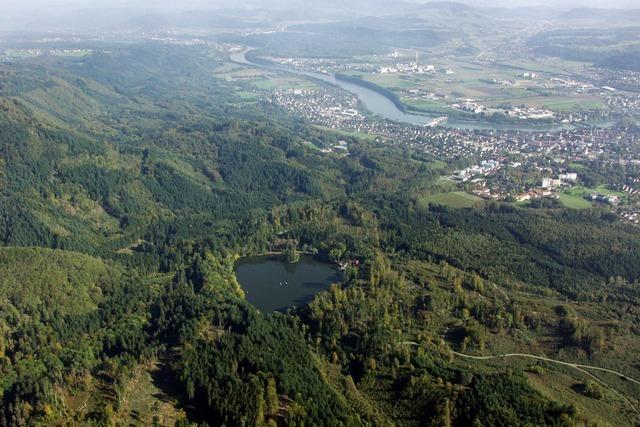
(132, 180)
(608, 48)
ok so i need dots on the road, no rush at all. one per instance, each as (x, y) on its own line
(546, 359)
(577, 366)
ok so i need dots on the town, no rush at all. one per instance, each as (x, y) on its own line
(511, 166)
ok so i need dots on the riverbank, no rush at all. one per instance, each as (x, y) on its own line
(384, 103)
(374, 87)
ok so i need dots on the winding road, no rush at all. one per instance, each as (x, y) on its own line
(577, 366)
(546, 359)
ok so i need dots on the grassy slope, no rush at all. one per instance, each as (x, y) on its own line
(456, 199)
(574, 201)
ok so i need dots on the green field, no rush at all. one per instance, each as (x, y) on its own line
(456, 199)
(437, 165)
(574, 197)
(367, 136)
(574, 201)
(601, 189)
(428, 105)
(249, 96)
(260, 79)
(283, 82)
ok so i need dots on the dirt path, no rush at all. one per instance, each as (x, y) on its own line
(546, 359)
(577, 366)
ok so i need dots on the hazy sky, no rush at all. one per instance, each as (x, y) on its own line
(77, 14)
(187, 4)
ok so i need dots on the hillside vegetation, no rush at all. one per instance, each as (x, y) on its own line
(132, 179)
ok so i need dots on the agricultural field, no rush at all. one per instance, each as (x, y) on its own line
(283, 82)
(493, 85)
(254, 79)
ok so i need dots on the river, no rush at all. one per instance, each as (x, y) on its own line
(380, 105)
(273, 284)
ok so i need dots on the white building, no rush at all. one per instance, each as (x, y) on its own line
(570, 177)
(551, 183)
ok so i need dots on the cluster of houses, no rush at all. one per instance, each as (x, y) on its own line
(562, 179)
(487, 167)
(347, 113)
(624, 79)
(324, 107)
(605, 198)
(341, 147)
(528, 113)
(548, 187)
(470, 105)
(536, 193)
(631, 216)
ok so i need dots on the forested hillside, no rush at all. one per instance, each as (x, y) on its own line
(132, 179)
(608, 48)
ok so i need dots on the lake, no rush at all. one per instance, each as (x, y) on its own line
(273, 284)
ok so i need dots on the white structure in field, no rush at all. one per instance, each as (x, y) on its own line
(410, 67)
(570, 177)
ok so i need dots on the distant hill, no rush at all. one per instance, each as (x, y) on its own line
(343, 39)
(451, 14)
(520, 13)
(612, 47)
(602, 14)
(446, 6)
(247, 13)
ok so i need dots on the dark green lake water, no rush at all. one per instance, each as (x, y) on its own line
(272, 284)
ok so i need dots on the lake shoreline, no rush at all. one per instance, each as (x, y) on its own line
(273, 284)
